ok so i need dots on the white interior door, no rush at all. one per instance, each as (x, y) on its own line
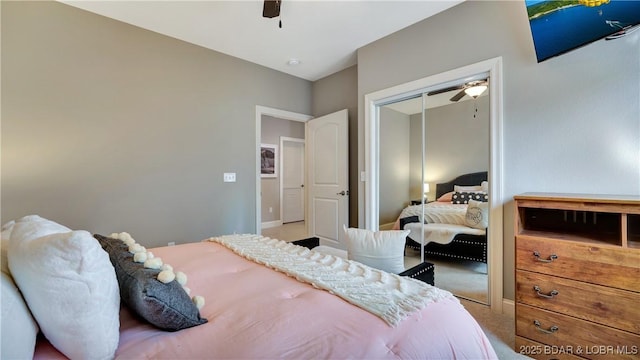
(328, 180)
(292, 179)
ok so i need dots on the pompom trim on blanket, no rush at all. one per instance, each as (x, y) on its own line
(166, 275)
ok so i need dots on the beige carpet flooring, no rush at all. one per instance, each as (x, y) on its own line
(465, 279)
(287, 232)
(499, 328)
(468, 279)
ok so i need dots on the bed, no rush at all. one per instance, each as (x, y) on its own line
(253, 306)
(454, 241)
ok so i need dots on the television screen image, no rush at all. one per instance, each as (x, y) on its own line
(561, 26)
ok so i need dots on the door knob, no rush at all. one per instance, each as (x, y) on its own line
(343, 193)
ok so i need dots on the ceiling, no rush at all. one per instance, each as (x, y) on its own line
(322, 35)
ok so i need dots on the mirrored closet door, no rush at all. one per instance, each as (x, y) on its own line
(434, 156)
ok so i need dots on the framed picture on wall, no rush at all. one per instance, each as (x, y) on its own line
(268, 160)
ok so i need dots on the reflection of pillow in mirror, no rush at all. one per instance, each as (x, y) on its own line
(460, 188)
(477, 215)
(446, 197)
(485, 186)
(464, 197)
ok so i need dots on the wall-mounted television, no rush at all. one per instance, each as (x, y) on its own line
(561, 26)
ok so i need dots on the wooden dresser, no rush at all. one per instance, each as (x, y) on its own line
(577, 276)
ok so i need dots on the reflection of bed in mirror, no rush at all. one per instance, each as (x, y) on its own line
(447, 233)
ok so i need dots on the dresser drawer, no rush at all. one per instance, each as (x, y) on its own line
(608, 306)
(586, 339)
(598, 264)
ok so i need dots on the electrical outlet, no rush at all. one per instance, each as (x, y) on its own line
(171, 243)
(229, 177)
(270, 209)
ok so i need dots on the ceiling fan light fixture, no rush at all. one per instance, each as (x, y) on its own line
(476, 90)
(271, 8)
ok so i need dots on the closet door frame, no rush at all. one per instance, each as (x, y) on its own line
(372, 103)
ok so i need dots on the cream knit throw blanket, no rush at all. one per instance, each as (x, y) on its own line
(388, 296)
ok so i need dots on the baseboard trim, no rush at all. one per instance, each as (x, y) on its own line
(509, 308)
(270, 224)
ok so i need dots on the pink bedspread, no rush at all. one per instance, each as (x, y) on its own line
(255, 312)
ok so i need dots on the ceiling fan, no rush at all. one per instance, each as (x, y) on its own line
(271, 9)
(472, 88)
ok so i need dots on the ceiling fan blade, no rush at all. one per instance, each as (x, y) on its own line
(444, 90)
(271, 8)
(458, 96)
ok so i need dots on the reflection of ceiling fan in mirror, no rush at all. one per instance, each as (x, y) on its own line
(472, 88)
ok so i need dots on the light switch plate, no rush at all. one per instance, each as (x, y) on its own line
(229, 177)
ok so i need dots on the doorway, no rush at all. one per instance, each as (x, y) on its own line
(372, 129)
(324, 136)
(266, 211)
(292, 177)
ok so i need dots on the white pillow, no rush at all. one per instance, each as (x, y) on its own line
(477, 215)
(382, 250)
(33, 226)
(70, 286)
(472, 188)
(485, 186)
(19, 330)
(4, 245)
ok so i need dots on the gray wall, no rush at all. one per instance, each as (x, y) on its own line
(394, 164)
(272, 129)
(333, 93)
(108, 127)
(571, 123)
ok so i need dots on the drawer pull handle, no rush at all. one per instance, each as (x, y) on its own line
(539, 328)
(549, 296)
(550, 259)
